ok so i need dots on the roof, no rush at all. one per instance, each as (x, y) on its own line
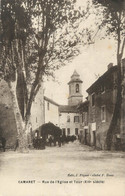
(83, 107)
(102, 78)
(75, 74)
(75, 78)
(50, 100)
(68, 109)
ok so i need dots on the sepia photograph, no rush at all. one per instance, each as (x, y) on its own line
(62, 97)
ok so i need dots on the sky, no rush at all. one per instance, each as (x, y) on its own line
(92, 61)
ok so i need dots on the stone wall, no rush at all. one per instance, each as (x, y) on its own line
(7, 119)
(107, 100)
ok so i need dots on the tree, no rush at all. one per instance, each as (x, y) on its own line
(114, 23)
(36, 40)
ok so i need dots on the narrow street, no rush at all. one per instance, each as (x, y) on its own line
(73, 169)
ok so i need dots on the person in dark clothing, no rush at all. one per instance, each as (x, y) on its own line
(50, 140)
(59, 141)
(17, 144)
(3, 141)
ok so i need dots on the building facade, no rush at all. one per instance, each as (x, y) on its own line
(102, 98)
(69, 120)
(97, 116)
(37, 110)
(84, 135)
(51, 111)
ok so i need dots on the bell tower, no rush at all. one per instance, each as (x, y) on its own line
(75, 90)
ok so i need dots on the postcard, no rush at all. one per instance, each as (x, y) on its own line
(62, 98)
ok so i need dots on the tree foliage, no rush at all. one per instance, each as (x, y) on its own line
(113, 20)
(114, 23)
(37, 37)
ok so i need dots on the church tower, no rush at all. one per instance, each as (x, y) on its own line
(75, 90)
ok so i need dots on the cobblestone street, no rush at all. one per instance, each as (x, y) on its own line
(68, 170)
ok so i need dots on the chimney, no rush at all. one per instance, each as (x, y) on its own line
(110, 65)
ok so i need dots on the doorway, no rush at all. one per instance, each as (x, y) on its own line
(94, 138)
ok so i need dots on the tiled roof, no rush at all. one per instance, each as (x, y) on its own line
(83, 106)
(102, 78)
(68, 109)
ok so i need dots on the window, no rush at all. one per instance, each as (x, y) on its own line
(93, 99)
(68, 118)
(48, 105)
(103, 114)
(77, 88)
(68, 131)
(76, 118)
(76, 131)
(36, 133)
(64, 131)
(102, 88)
(69, 89)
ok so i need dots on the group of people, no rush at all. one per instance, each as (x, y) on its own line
(52, 140)
(49, 140)
(39, 143)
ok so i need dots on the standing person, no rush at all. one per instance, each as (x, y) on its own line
(17, 144)
(3, 141)
(59, 141)
(50, 140)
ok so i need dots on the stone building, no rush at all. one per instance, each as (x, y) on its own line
(69, 117)
(84, 135)
(102, 97)
(100, 104)
(37, 110)
(51, 111)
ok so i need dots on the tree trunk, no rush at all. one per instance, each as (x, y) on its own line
(28, 130)
(123, 107)
(114, 127)
(22, 134)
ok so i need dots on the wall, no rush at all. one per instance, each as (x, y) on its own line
(37, 110)
(7, 119)
(74, 100)
(84, 135)
(107, 99)
(74, 97)
(51, 113)
(71, 124)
